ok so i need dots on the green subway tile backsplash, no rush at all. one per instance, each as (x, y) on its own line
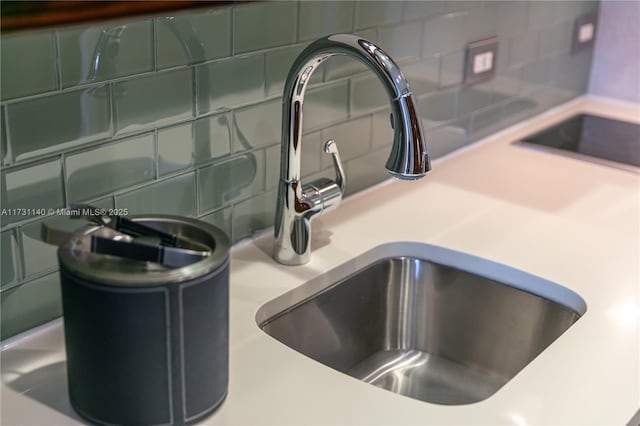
(486, 121)
(534, 72)
(189, 38)
(423, 75)
(447, 137)
(478, 23)
(312, 154)
(40, 126)
(153, 100)
(263, 25)
(39, 257)
(253, 214)
(175, 148)
(110, 167)
(29, 304)
(4, 148)
(473, 98)
(230, 82)
(381, 131)
(510, 16)
(257, 125)
(366, 170)
(320, 18)
(28, 64)
(326, 105)
(451, 64)
(566, 71)
(176, 195)
(522, 49)
(345, 135)
(423, 9)
(237, 177)
(444, 33)
(212, 137)
(9, 256)
(182, 114)
(403, 40)
(104, 52)
(278, 62)
(556, 39)
(367, 94)
(438, 107)
(272, 156)
(460, 5)
(36, 187)
(541, 14)
(220, 218)
(375, 13)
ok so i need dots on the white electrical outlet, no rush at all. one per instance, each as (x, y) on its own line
(584, 32)
(480, 61)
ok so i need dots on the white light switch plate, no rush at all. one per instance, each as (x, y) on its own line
(480, 61)
(584, 32)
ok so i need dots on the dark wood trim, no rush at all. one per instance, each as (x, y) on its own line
(25, 15)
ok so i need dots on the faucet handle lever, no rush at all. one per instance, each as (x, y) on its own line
(330, 147)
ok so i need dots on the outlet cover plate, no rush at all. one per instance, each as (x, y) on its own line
(584, 32)
(480, 61)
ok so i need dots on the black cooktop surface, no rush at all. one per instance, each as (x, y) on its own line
(594, 136)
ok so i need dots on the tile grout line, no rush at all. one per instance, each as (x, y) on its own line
(353, 16)
(234, 13)
(7, 139)
(230, 42)
(195, 89)
(156, 164)
(196, 173)
(65, 179)
(22, 264)
(113, 111)
(297, 23)
(265, 76)
(154, 43)
(197, 190)
(57, 60)
(97, 84)
(80, 148)
(298, 12)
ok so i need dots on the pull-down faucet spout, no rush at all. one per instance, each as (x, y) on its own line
(298, 204)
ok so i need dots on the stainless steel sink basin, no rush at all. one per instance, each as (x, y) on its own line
(424, 322)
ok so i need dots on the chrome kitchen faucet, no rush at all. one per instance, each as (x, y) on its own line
(298, 204)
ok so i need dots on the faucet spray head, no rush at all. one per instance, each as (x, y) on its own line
(408, 159)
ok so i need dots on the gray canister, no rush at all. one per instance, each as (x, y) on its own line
(146, 344)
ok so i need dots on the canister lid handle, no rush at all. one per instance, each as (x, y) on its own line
(126, 238)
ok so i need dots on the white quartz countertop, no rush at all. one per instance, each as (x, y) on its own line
(570, 221)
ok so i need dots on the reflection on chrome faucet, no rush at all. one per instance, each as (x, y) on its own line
(104, 59)
(232, 173)
(298, 204)
(108, 45)
(232, 176)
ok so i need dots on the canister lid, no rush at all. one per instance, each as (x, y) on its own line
(76, 256)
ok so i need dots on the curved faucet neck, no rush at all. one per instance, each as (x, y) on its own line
(300, 74)
(345, 44)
